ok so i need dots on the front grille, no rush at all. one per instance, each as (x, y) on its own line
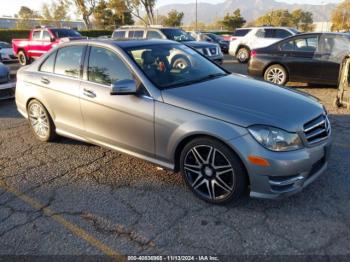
(4, 79)
(7, 93)
(317, 129)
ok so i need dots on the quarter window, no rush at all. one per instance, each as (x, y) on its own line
(68, 61)
(105, 67)
(153, 35)
(48, 64)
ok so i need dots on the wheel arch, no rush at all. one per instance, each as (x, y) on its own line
(43, 103)
(191, 137)
(242, 46)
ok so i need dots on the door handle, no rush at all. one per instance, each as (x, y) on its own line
(89, 93)
(45, 81)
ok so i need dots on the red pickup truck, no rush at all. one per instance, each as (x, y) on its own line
(40, 41)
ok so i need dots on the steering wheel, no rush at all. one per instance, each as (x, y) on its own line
(182, 63)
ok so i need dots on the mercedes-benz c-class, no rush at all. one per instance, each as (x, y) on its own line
(225, 133)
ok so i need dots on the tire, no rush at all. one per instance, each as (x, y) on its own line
(40, 122)
(243, 55)
(276, 74)
(212, 171)
(22, 58)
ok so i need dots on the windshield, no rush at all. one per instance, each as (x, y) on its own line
(60, 33)
(177, 35)
(174, 65)
(4, 45)
(215, 37)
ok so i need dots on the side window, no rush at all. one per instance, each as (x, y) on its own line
(287, 46)
(36, 35)
(281, 33)
(46, 36)
(68, 60)
(119, 34)
(334, 45)
(105, 67)
(270, 33)
(138, 34)
(48, 64)
(308, 44)
(153, 35)
(260, 33)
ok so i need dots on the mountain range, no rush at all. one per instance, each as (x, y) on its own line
(250, 9)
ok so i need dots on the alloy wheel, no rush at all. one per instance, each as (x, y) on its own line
(39, 120)
(276, 75)
(209, 173)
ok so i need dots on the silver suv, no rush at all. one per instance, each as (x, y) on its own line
(210, 50)
(222, 131)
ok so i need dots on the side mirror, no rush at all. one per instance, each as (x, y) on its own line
(124, 87)
(52, 39)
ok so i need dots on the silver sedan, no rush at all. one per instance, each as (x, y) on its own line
(225, 133)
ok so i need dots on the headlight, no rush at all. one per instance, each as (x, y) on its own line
(276, 139)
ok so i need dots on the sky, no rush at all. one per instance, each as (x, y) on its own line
(11, 7)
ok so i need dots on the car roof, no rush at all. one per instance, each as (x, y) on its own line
(145, 28)
(265, 27)
(123, 43)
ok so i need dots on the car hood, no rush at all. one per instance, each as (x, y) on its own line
(199, 44)
(243, 101)
(7, 51)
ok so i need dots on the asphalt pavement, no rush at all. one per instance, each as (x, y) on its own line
(73, 198)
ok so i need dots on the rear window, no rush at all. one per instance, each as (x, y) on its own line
(119, 34)
(241, 32)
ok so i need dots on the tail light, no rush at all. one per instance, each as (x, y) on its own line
(253, 53)
(233, 38)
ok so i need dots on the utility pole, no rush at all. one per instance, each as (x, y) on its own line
(196, 15)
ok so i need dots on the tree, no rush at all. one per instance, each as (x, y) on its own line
(231, 22)
(174, 18)
(25, 14)
(103, 15)
(121, 12)
(56, 11)
(135, 7)
(302, 20)
(341, 17)
(85, 8)
(280, 17)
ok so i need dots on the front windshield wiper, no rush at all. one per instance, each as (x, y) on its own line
(203, 79)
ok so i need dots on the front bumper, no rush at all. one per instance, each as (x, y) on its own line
(288, 173)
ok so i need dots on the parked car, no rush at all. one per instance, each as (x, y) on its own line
(343, 94)
(6, 52)
(210, 50)
(40, 41)
(213, 38)
(310, 58)
(246, 39)
(7, 86)
(222, 131)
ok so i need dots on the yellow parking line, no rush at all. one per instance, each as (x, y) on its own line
(81, 233)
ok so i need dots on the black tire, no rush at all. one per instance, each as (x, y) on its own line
(276, 74)
(243, 55)
(43, 120)
(22, 58)
(204, 180)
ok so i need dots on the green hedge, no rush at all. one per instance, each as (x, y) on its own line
(7, 35)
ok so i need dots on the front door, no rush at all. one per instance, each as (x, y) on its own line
(123, 121)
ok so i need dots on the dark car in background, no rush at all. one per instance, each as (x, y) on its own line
(213, 38)
(309, 58)
(210, 50)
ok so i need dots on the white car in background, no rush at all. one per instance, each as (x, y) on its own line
(246, 39)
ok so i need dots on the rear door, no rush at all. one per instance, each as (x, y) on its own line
(46, 41)
(301, 63)
(60, 79)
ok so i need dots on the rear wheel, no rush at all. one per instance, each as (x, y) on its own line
(212, 171)
(276, 74)
(22, 58)
(40, 122)
(243, 55)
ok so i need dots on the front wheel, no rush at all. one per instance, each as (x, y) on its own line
(212, 171)
(276, 74)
